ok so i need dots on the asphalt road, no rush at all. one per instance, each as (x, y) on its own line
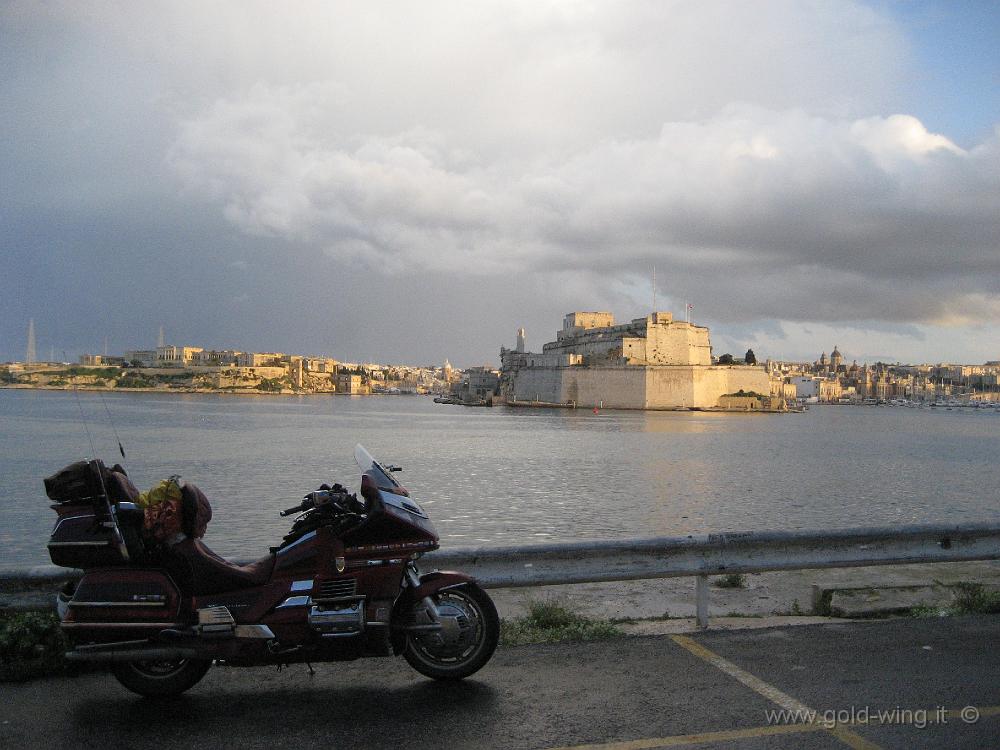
(707, 690)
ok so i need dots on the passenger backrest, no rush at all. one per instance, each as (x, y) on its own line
(196, 511)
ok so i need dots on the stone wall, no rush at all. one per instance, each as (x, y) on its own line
(632, 387)
(672, 388)
(613, 387)
(538, 384)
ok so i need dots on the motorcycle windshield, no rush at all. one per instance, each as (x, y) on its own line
(389, 491)
(379, 474)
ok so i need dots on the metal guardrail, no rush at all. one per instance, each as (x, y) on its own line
(714, 554)
(671, 557)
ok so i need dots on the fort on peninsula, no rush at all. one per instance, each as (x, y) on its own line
(654, 362)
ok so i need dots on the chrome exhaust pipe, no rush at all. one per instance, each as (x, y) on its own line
(133, 654)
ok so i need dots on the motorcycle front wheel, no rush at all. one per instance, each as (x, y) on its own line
(157, 679)
(469, 636)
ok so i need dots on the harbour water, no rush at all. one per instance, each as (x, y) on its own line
(510, 476)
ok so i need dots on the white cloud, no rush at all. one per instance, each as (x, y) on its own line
(751, 191)
(899, 134)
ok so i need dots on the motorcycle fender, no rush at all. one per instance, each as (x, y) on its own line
(431, 583)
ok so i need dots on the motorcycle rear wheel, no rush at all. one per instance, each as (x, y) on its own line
(432, 657)
(158, 679)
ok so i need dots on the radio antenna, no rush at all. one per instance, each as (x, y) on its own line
(83, 417)
(99, 469)
(121, 449)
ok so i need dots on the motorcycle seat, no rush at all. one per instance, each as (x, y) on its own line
(198, 571)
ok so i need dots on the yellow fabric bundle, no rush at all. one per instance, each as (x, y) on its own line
(168, 489)
(162, 509)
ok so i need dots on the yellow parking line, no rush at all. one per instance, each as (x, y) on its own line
(679, 740)
(770, 692)
(729, 735)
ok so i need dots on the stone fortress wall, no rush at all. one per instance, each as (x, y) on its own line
(649, 363)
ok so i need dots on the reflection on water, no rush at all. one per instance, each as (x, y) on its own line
(682, 422)
(513, 476)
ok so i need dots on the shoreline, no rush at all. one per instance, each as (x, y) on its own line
(199, 391)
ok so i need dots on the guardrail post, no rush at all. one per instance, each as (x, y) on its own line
(701, 607)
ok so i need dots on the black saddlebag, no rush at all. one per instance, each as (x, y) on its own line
(78, 483)
(83, 536)
(84, 539)
(86, 482)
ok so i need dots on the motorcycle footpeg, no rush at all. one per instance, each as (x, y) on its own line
(215, 621)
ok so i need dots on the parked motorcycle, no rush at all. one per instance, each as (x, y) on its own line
(343, 584)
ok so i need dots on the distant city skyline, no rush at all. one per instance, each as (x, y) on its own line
(410, 182)
(162, 340)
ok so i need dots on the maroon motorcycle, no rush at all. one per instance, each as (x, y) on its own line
(342, 585)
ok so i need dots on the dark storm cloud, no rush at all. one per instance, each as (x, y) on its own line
(256, 178)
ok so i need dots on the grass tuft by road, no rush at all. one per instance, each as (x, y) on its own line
(550, 621)
(970, 599)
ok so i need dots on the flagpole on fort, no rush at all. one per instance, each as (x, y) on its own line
(654, 288)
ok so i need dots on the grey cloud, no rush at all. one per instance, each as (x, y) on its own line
(513, 159)
(839, 219)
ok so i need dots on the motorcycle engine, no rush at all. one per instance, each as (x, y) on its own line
(338, 619)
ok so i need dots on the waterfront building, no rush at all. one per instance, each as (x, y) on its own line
(805, 386)
(352, 383)
(176, 356)
(323, 365)
(212, 358)
(654, 362)
(479, 385)
(260, 359)
(829, 389)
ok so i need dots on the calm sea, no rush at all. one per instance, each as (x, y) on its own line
(510, 476)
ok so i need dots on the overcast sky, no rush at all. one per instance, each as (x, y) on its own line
(410, 181)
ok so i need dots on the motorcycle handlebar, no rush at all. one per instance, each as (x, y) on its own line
(309, 501)
(334, 496)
